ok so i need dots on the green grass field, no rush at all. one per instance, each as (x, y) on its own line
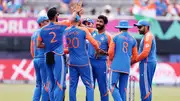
(18, 92)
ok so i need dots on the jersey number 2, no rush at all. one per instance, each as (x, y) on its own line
(54, 36)
(125, 47)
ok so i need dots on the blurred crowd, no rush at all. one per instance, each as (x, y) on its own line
(156, 7)
(151, 8)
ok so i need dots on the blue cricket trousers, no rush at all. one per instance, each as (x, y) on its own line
(99, 68)
(147, 70)
(56, 78)
(85, 73)
(41, 80)
(118, 91)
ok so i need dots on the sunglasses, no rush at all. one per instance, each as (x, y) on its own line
(139, 27)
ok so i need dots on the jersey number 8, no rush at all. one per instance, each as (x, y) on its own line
(125, 47)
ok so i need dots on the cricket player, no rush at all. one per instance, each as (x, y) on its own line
(99, 63)
(79, 61)
(39, 65)
(123, 47)
(147, 58)
(88, 22)
(51, 39)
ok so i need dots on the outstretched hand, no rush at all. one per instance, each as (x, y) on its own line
(76, 7)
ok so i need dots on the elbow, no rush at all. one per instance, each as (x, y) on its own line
(38, 46)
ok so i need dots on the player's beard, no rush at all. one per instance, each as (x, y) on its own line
(100, 27)
(141, 32)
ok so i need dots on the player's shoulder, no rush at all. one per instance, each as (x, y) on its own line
(36, 33)
(115, 35)
(82, 28)
(131, 36)
(108, 34)
(148, 36)
(68, 28)
(63, 23)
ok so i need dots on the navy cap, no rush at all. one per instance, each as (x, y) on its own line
(87, 20)
(142, 23)
(41, 19)
(123, 24)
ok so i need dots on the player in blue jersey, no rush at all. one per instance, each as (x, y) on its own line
(99, 63)
(51, 39)
(79, 60)
(147, 58)
(123, 47)
(88, 22)
(39, 65)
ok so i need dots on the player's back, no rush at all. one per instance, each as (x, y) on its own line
(152, 54)
(52, 36)
(76, 42)
(38, 52)
(123, 52)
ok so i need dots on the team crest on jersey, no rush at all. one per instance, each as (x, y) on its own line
(102, 38)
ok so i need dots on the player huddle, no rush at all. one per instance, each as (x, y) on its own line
(89, 51)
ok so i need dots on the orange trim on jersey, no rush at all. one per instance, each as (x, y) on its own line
(106, 93)
(111, 50)
(134, 54)
(46, 88)
(147, 95)
(64, 22)
(147, 47)
(90, 38)
(39, 38)
(32, 48)
(59, 85)
(66, 51)
(109, 38)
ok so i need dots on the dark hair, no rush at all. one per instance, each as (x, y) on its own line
(52, 13)
(104, 18)
(123, 29)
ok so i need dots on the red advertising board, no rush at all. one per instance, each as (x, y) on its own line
(166, 73)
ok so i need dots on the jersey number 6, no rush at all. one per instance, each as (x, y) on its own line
(54, 36)
(125, 47)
